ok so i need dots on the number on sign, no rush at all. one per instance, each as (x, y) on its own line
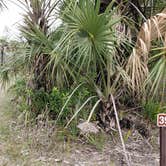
(161, 120)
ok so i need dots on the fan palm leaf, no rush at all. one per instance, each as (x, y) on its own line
(89, 39)
(137, 66)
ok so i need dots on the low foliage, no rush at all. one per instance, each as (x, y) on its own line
(40, 102)
(151, 109)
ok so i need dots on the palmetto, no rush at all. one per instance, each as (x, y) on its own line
(82, 49)
(143, 67)
(89, 40)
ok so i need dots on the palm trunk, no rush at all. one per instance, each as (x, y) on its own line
(105, 114)
(2, 56)
(40, 76)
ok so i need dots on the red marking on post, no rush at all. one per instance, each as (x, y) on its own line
(161, 120)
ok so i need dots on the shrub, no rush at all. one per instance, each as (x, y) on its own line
(151, 109)
(52, 102)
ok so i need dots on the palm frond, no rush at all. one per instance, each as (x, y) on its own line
(89, 39)
(137, 66)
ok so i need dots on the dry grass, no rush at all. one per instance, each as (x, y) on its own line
(39, 146)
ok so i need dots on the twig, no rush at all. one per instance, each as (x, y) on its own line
(120, 132)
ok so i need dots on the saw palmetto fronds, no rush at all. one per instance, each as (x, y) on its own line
(137, 66)
(156, 80)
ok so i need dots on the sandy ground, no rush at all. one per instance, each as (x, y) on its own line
(21, 146)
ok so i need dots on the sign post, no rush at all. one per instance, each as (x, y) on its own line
(161, 122)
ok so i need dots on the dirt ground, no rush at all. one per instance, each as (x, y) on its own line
(21, 146)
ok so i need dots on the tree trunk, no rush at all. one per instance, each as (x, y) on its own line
(40, 76)
(2, 55)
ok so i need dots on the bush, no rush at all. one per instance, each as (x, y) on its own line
(41, 101)
(151, 109)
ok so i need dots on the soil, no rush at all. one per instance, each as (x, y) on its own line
(39, 146)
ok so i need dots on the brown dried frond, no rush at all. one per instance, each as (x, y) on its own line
(153, 28)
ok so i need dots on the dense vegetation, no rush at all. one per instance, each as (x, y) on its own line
(75, 55)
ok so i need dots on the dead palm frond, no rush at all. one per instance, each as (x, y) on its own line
(137, 66)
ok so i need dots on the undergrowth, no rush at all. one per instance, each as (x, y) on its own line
(151, 108)
(34, 104)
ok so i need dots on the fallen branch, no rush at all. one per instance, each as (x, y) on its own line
(120, 132)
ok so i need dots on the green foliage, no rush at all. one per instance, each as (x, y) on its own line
(156, 80)
(19, 88)
(82, 49)
(151, 109)
(40, 101)
(89, 41)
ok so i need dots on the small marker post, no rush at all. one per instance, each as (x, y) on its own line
(161, 122)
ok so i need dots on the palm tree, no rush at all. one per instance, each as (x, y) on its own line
(35, 30)
(82, 48)
(88, 45)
